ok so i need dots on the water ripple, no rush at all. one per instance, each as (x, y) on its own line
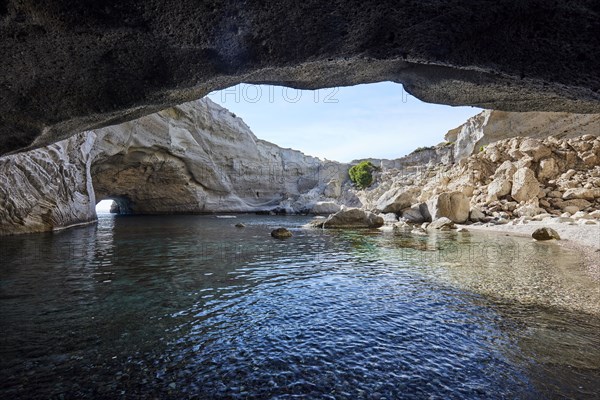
(178, 307)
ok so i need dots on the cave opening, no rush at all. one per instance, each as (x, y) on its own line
(105, 206)
(113, 205)
(375, 120)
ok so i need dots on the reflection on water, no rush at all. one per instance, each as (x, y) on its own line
(190, 306)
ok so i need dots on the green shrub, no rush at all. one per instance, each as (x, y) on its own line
(362, 174)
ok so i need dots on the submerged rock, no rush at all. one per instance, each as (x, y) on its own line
(281, 233)
(545, 234)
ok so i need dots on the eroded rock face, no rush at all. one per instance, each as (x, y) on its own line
(194, 158)
(71, 66)
(47, 188)
(198, 157)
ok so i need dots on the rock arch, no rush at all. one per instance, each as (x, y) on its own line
(67, 66)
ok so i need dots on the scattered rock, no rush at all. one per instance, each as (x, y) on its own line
(401, 227)
(581, 193)
(281, 233)
(528, 210)
(545, 234)
(240, 225)
(413, 214)
(548, 169)
(441, 223)
(419, 231)
(570, 209)
(475, 215)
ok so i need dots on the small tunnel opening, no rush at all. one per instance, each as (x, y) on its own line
(106, 207)
(115, 205)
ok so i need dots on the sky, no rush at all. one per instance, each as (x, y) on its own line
(103, 206)
(378, 120)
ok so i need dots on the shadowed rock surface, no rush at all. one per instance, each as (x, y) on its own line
(71, 66)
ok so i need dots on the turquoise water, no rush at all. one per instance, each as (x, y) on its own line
(192, 307)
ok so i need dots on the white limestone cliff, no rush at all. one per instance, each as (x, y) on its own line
(193, 158)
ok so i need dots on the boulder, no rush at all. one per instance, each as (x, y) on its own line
(475, 215)
(581, 193)
(413, 214)
(440, 224)
(554, 194)
(401, 227)
(390, 218)
(506, 170)
(545, 234)
(281, 233)
(525, 186)
(534, 148)
(570, 209)
(396, 199)
(499, 187)
(576, 204)
(325, 208)
(353, 218)
(452, 205)
(548, 169)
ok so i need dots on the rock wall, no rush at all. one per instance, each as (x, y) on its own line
(491, 126)
(199, 157)
(47, 188)
(71, 66)
(193, 158)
